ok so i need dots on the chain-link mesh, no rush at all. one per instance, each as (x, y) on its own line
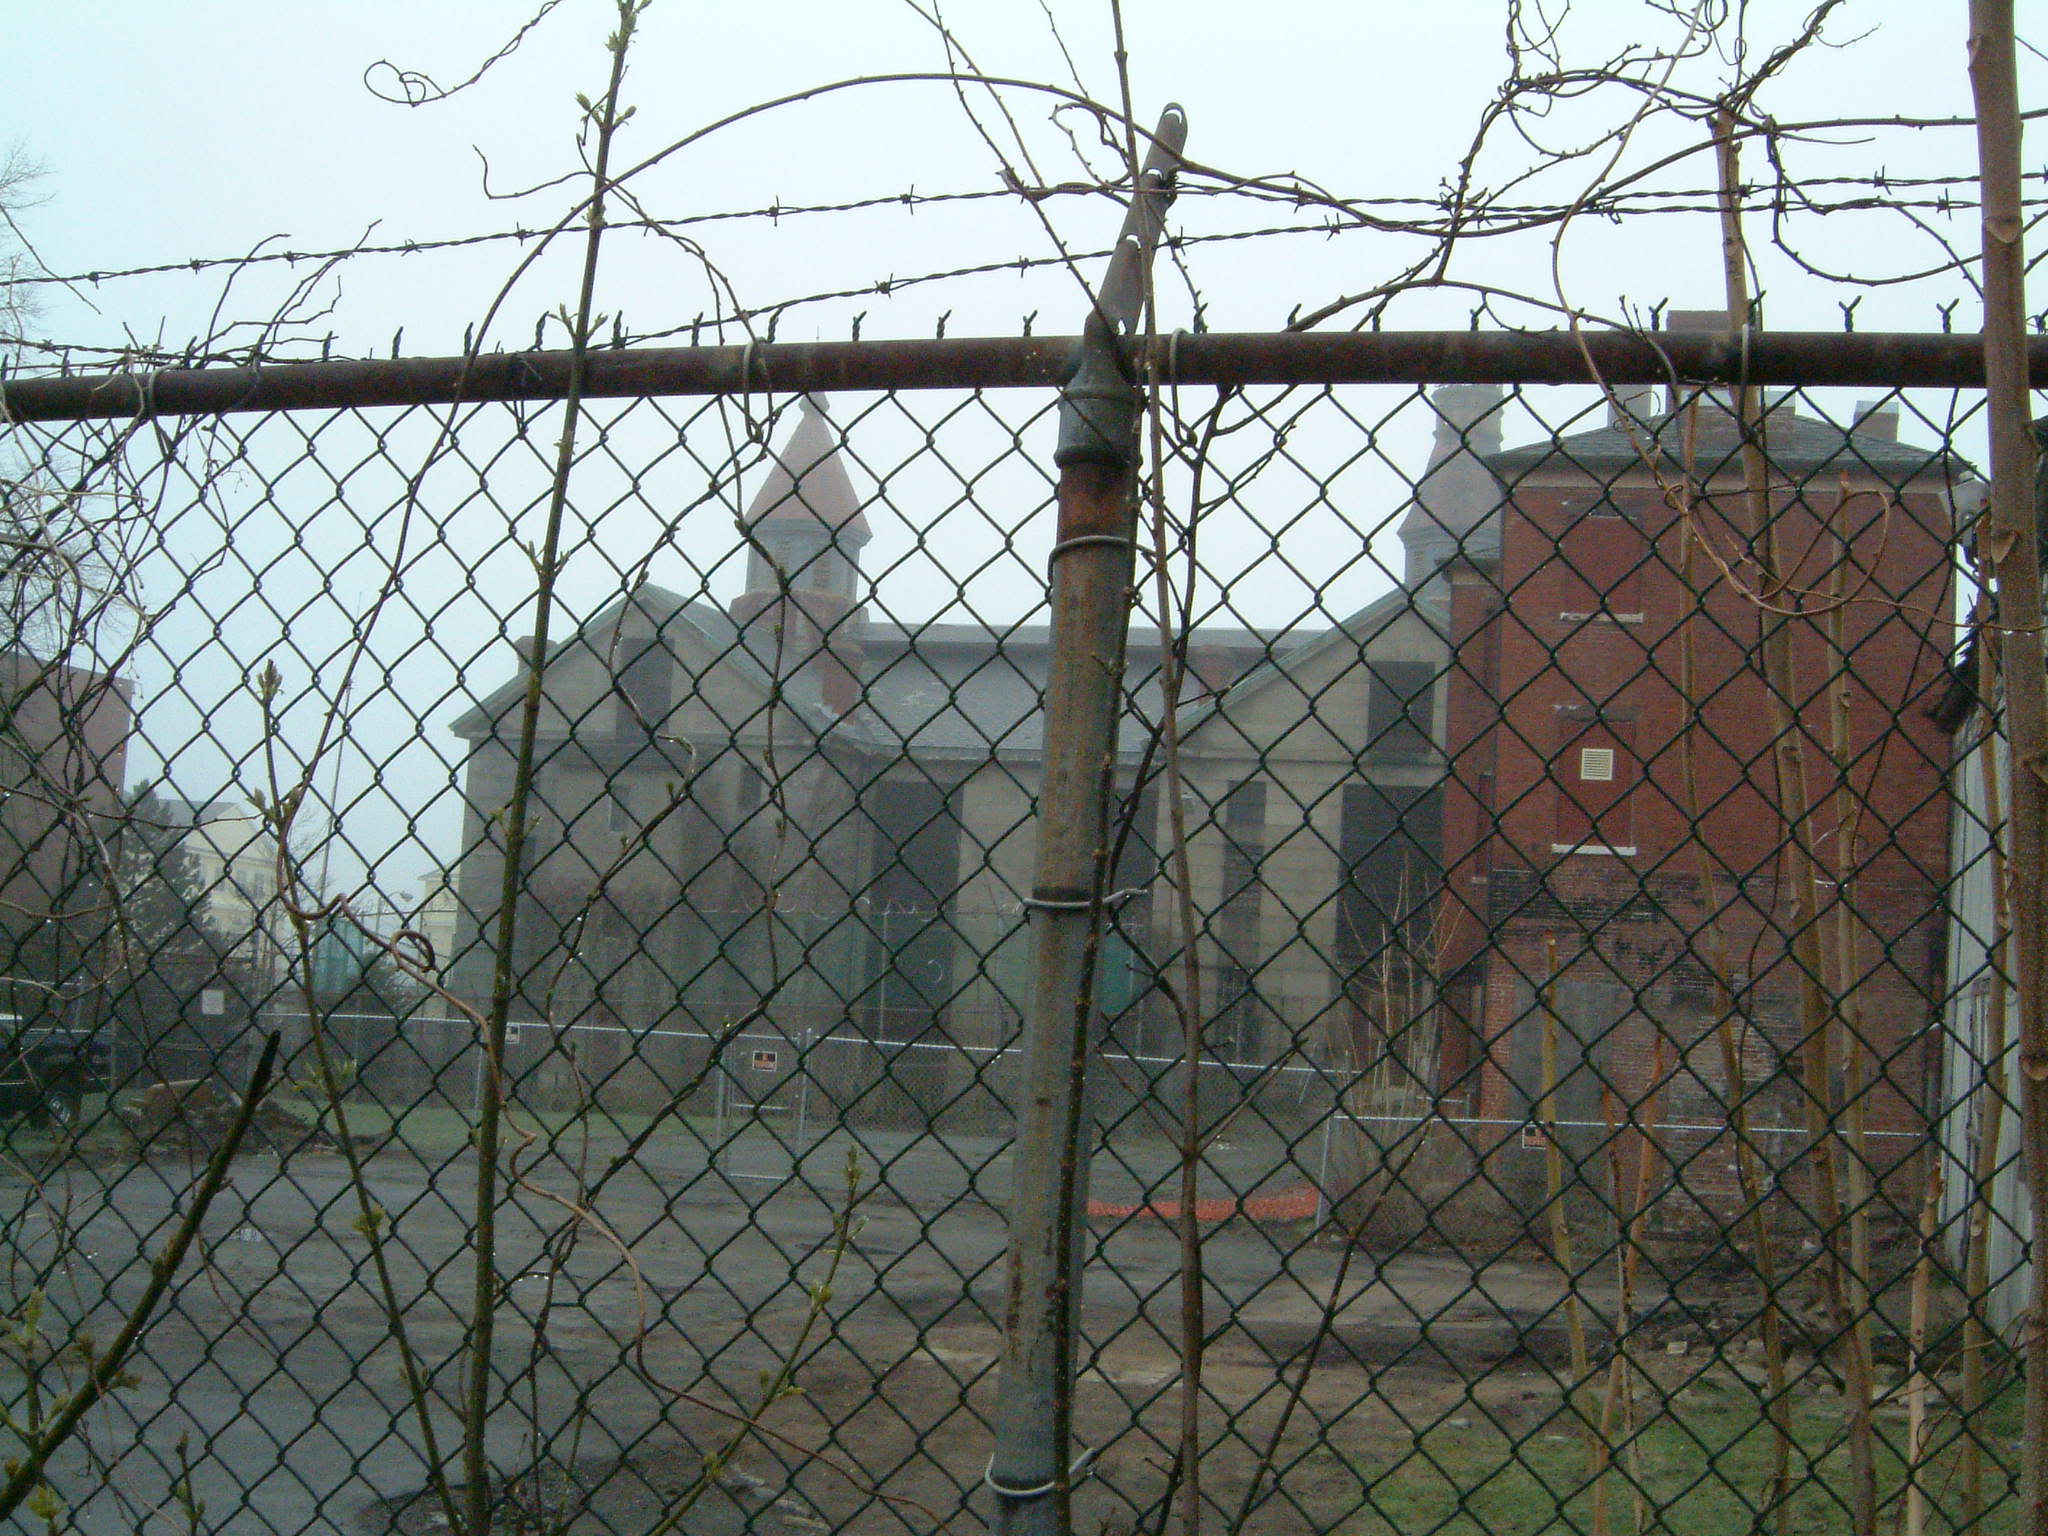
(1566, 904)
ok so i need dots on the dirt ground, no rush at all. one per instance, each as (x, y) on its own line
(620, 1364)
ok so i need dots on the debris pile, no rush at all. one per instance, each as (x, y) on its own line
(195, 1116)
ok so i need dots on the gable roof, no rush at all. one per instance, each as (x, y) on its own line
(1359, 629)
(666, 610)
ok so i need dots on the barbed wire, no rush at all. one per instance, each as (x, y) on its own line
(1691, 200)
(716, 325)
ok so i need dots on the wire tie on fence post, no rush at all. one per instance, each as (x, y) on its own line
(1080, 903)
(1089, 540)
(1081, 1465)
(1058, 903)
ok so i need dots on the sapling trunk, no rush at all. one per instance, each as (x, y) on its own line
(1795, 803)
(1990, 1093)
(1561, 1247)
(2013, 545)
(1748, 1174)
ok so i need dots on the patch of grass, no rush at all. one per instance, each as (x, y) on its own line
(99, 1131)
(1705, 1467)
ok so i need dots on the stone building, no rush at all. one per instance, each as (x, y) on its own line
(1317, 860)
(789, 818)
(792, 820)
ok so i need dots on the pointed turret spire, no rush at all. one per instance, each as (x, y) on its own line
(808, 481)
(803, 572)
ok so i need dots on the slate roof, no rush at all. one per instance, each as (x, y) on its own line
(939, 690)
(1359, 629)
(665, 609)
(958, 690)
(1799, 445)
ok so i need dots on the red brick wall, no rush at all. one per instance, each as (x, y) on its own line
(63, 753)
(1640, 917)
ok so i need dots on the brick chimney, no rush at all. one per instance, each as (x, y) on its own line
(1878, 418)
(1457, 498)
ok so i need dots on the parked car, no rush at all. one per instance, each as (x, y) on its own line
(45, 1073)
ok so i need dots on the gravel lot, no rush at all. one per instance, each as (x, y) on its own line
(269, 1388)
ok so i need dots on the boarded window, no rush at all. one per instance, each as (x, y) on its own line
(1595, 771)
(1139, 857)
(916, 845)
(751, 793)
(1391, 847)
(1391, 844)
(1233, 1030)
(1244, 851)
(1602, 554)
(620, 814)
(1588, 1016)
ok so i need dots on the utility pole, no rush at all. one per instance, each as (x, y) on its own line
(1031, 1472)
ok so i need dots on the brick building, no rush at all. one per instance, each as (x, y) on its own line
(1575, 850)
(63, 749)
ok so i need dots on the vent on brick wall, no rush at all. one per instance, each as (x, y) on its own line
(1596, 764)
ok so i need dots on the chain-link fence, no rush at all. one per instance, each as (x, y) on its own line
(1553, 1068)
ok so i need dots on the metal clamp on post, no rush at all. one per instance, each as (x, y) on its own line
(1057, 903)
(1091, 541)
(1008, 1494)
(1098, 404)
(1068, 903)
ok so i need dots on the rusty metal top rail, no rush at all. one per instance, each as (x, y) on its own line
(1808, 358)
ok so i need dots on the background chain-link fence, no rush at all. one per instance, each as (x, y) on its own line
(1566, 904)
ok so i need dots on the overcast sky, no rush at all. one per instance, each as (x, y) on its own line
(169, 133)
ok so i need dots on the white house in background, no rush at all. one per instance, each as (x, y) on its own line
(434, 918)
(1981, 1076)
(234, 865)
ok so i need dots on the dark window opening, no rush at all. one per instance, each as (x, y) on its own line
(1390, 844)
(1238, 921)
(619, 813)
(1234, 1023)
(753, 791)
(909, 899)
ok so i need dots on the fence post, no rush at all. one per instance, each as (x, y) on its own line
(1092, 563)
